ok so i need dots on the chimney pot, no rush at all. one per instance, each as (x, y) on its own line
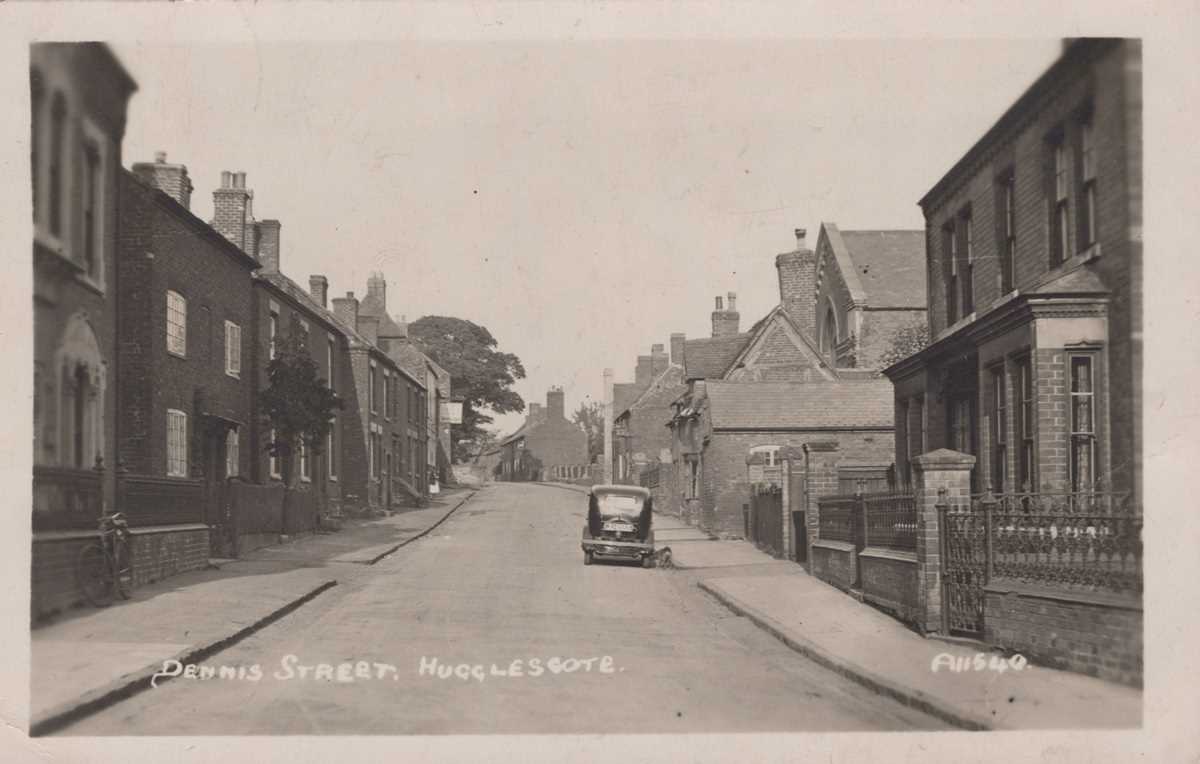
(160, 157)
(720, 303)
(801, 233)
(732, 300)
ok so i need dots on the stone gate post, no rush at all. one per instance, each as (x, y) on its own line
(820, 461)
(936, 472)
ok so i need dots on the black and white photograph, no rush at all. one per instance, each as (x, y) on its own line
(505, 374)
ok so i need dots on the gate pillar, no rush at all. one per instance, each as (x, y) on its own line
(938, 476)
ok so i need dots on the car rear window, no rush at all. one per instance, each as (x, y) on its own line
(618, 503)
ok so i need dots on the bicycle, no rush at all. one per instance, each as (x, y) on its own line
(104, 566)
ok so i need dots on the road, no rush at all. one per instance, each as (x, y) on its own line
(501, 581)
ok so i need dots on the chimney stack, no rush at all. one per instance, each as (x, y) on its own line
(346, 310)
(171, 179)
(535, 414)
(368, 327)
(659, 361)
(798, 285)
(318, 287)
(554, 404)
(233, 214)
(377, 290)
(725, 322)
(268, 245)
(644, 371)
(678, 342)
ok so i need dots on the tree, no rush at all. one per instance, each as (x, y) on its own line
(906, 340)
(296, 403)
(480, 374)
(590, 418)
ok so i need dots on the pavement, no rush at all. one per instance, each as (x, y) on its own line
(492, 624)
(88, 659)
(872, 648)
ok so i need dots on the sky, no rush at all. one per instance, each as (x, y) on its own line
(582, 200)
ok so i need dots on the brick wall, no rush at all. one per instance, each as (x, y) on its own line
(53, 577)
(833, 562)
(159, 555)
(889, 580)
(160, 250)
(53, 586)
(726, 479)
(1094, 638)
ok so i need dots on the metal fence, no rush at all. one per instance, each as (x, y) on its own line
(1090, 541)
(837, 519)
(869, 519)
(891, 520)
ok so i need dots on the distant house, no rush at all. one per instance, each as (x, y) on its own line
(641, 437)
(750, 394)
(547, 446)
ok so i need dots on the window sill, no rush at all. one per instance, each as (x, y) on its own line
(52, 243)
(237, 376)
(182, 355)
(305, 479)
(1088, 255)
(333, 478)
(274, 476)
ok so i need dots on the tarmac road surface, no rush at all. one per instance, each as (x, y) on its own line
(492, 624)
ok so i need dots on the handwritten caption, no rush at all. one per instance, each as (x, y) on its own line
(978, 662)
(346, 672)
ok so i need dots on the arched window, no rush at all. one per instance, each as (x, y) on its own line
(80, 400)
(58, 126)
(829, 336)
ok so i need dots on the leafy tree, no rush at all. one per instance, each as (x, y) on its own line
(296, 404)
(906, 340)
(590, 418)
(480, 374)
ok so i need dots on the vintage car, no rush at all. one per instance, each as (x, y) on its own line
(618, 524)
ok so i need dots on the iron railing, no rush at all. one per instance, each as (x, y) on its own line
(1088, 541)
(837, 519)
(869, 519)
(891, 520)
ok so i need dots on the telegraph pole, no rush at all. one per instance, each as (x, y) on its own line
(608, 425)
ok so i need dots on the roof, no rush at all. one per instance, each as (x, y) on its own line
(629, 490)
(890, 265)
(372, 306)
(710, 357)
(800, 405)
(300, 295)
(624, 394)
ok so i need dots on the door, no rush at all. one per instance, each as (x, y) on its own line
(216, 492)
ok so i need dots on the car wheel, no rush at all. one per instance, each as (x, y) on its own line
(648, 561)
(588, 558)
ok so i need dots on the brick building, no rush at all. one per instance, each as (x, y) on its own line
(870, 286)
(184, 338)
(546, 445)
(1034, 261)
(641, 437)
(390, 403)
(79, 95)
(1034, 266)
(733, 376)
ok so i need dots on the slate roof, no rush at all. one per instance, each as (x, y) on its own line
(710, 357)
(890, 265)
(799, 405)
(624, 394)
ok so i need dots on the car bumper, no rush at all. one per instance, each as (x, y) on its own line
(617, 548)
